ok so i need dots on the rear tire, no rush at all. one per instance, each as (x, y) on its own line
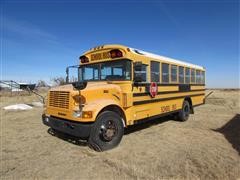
(107, 131)
(183, 115)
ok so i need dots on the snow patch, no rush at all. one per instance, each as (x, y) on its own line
(18, 107)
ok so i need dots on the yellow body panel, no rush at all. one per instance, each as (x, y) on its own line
(197, 87)
(130, 99)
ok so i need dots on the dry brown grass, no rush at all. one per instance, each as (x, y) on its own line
(205, 147)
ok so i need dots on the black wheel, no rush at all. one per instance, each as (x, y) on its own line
(107, 131)
(183, 115)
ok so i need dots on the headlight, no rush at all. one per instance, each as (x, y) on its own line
(46, 119)
(77, 114)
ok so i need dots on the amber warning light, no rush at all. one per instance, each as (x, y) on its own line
(116, 53)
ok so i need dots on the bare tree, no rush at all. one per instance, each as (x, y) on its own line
(58, 81)
(42, 83)
(73, 79)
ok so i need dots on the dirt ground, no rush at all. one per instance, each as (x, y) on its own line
(207, 146)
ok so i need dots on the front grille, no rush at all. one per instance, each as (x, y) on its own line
(59, 99)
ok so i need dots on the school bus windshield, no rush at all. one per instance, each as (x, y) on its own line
(119, 70)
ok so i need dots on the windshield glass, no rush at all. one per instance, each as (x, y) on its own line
(115, 70)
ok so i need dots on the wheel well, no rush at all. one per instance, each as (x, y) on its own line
(115, 109)
(190, 103)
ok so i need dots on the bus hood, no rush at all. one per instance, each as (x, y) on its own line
(91, 86)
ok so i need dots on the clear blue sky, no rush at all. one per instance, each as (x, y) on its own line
(40, 38)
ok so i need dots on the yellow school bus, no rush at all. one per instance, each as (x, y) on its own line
(119, 86)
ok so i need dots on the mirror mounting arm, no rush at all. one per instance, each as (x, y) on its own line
(67, 74)
(79, 85)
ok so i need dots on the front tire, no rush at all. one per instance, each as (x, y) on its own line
(183, 115)
(107, 131)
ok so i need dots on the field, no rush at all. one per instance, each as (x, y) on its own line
(207, 146)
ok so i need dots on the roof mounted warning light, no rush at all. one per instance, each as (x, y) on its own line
(116, 53)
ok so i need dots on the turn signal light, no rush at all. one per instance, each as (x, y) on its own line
(116, 53)
(84, 59)
(87, 114)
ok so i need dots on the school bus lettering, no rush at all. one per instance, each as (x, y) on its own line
(174, 107)
(106, 55)
(119, 86)
(165, 109)
(96, 56)
(99, 56)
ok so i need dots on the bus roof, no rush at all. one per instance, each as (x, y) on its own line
(164, 58)
(147, 54)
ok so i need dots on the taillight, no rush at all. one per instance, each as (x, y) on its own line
(116, 53)
(84, 59)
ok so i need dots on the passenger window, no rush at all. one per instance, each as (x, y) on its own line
(198, 77)
(203, 77)
(187, 75)
(173, 73)
(165, 73)
(155, 70)
(181, 75)
(192, 75)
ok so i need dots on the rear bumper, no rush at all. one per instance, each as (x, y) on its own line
(76, 129)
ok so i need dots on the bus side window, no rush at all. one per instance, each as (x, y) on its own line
(203, 77)
(192, 75)
(198, 77)
(181, 74)
(187, 75)
(173, 73)
(165, 73)
(144, 72)
(155, 71)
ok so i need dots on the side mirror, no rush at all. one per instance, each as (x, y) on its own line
(137, 72)
(79, 85)
(137, 66)
(137, 77)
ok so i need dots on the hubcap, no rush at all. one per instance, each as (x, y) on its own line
(108, 130)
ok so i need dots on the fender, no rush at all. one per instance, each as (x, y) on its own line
(100, 104)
